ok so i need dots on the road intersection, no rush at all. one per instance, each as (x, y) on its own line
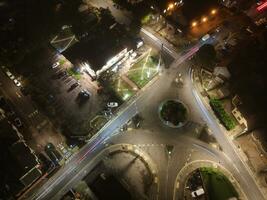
(64, 176)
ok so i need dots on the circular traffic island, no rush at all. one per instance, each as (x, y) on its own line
(173, 113)
(209, 183)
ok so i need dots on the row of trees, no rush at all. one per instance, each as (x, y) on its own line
(224, 117)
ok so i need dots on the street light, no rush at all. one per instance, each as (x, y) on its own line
(204, 19)
(171, 6)
(194, 24)
(214, 11)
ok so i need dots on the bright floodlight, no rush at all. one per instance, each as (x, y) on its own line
(214, 11)
(204, 19)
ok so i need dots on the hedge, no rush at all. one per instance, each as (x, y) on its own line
(223, 116)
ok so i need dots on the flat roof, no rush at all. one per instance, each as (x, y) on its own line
(97, 51)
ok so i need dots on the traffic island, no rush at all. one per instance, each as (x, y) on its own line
(173, 113)
(203, 179)
(209, 183)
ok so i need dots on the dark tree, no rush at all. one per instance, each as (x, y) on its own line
(206, 56)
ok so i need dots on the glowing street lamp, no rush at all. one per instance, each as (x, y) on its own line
(194, 24)
(170, 6)
(214, 11)
(204, 19)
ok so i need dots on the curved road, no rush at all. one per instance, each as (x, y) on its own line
(65, 175)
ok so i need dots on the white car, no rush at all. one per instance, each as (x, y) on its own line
(17, 83)
(55, 65)
(205, 37)
(10, 75)
(198, 192)
(112, 104)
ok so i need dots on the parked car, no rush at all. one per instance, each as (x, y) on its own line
(112, 104)
(25, 91)
(53, 154)
(18, 122)
(74, 85)
(46, 163)
(55, 65)
(61, 74)
(198, 192)
(84, 94)
(10, 75)
(17, 83)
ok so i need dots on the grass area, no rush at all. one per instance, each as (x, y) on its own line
(62, 61)
(73, 73)
(217, 184)
(144, 70)
(224, 117)
(146, 19)
(123, 90)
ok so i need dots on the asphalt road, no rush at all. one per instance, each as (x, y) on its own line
(80, 160)
(129, 109)
(241, 169)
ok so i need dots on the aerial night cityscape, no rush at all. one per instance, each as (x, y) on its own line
(133, 99)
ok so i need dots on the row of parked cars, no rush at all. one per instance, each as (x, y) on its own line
(55, 156)
(11, 76)
(10, 113)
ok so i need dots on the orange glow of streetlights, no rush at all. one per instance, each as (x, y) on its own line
(171, 6)
(214, 11)
(194, 24)
(204, 19)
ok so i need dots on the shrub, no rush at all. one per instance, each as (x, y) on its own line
(223, 116)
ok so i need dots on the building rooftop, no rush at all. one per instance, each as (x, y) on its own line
(96, 52)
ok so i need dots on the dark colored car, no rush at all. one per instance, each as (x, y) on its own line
(53, 154)
(45, 162)
(73, 86)
(85, 94)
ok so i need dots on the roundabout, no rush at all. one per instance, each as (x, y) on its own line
(173, 113)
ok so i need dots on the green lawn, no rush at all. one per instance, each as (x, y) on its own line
(217, 184)
(123, 90)
(76, 75)
(144, 70)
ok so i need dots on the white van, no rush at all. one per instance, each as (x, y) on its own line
(205, 37)
(198, 192)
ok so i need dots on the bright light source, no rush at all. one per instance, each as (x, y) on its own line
(194, 24)
(214, 11)
(126, 96)
(165, 11)
(204, 19)
(171, 6)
